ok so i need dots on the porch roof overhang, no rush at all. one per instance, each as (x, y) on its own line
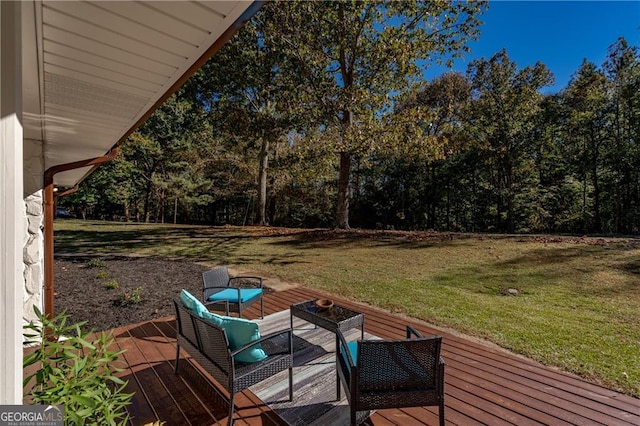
(93, 71)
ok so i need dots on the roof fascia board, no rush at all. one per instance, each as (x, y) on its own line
(242, 19)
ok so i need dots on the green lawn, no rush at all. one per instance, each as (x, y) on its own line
(578, 306)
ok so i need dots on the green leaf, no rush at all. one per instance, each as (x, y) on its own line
(83, 400)
(31, 359)
(116, 380)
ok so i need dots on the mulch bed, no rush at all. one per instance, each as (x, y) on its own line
(81, 292)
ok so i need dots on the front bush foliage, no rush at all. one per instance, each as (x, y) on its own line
(75, 372)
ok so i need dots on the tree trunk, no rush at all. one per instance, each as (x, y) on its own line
(271, 202)
(271, 199)
(499, 198)
(510, 196)
(147, 202)
(431, 221)
(447, 214)
(262, 182)
(597, 221)
(161, 207)
(125, 208)
(342, 210)
(175, 211)
(584, 160)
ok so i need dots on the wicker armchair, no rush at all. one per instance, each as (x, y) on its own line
(379, 374)
(209, 346)
(235, 293)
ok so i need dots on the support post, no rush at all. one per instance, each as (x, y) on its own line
(49, 205)
(12, 216)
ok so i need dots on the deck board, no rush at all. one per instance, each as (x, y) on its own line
(484, 385)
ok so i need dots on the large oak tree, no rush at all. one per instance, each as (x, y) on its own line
(357, 56)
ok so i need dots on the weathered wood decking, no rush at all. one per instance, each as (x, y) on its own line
(484, 385)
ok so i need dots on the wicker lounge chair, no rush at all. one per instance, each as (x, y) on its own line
(236, 293)
(379, 374)
(208, 344)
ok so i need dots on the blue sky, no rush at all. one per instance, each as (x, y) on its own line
(557, 33)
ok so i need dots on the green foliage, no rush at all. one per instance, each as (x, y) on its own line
(76, 372)
(131, 297)
(503, 113)
(334, 106)
(355, 57)
(102, 275)
(250, 82)
(111, 284)
(622, 160)
(96, 262)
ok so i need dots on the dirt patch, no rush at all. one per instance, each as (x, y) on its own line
(84, 293)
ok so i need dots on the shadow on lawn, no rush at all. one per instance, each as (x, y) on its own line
(198, 244)
(588, 258)
(549, 266)
(226, 245)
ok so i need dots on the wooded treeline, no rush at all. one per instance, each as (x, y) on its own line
(318, 115)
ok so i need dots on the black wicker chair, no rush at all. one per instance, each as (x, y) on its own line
(379, 374)
(208, 344)
(236, 293)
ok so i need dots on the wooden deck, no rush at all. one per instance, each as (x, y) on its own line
(484, 385)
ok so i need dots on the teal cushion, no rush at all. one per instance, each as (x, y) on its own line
(240, 332)
(213, 318)
(353, 351)
(231, 295)
(190, 302)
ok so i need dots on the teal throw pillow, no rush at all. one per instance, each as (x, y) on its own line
(192, 303)
(241, 332)
(213, 318)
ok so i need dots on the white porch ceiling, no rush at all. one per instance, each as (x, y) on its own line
(92, 69)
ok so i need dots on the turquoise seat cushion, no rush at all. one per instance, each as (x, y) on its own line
(231, 294)
(352, 347)
(192, 303)
(240, 332)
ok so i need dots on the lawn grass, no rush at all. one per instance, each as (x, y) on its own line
(577, 308)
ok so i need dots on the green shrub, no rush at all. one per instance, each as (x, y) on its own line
(102, 275)
(76, 373)
(112, 284)
(96, 262)
(131, 297)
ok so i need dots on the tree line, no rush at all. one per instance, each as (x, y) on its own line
(319, 115)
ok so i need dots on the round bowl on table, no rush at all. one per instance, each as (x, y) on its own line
(324, 304)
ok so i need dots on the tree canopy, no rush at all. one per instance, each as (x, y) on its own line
(319, 114)
(357, 57)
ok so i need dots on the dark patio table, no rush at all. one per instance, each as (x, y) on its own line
(335, 318)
